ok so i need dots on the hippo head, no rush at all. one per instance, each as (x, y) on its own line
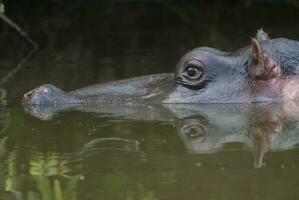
(264, 71)
(206, 75)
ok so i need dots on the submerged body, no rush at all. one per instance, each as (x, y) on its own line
(265, 71)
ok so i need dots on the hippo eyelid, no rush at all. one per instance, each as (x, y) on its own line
(193, 86)
(195, 62)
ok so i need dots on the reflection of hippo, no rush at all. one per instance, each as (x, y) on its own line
(263, 128)
(265, 71)
(203, 130)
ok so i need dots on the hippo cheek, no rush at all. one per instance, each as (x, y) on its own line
(183, 95)
(178, 95)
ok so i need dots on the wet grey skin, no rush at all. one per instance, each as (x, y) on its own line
(265, 71)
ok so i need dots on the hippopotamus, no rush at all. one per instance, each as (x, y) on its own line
(265, 71)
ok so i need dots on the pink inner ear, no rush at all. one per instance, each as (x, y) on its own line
(268, 70)
(272, 69)
(257, 52)
(264, 67)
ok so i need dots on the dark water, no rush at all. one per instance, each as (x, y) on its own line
(143, 152)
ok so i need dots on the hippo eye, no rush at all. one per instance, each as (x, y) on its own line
(191, 75)
(193, 72)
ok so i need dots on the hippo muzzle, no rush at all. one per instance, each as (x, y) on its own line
(139, 90)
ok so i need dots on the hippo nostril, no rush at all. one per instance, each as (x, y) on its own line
(28, 96)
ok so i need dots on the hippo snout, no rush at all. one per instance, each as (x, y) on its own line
(42, 95)
(27, 97)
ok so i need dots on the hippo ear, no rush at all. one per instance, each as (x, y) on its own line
(261, 35)
(264, 68)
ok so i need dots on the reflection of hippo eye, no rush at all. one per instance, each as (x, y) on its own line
(193, 130)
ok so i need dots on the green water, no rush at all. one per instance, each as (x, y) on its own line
(143, 152)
